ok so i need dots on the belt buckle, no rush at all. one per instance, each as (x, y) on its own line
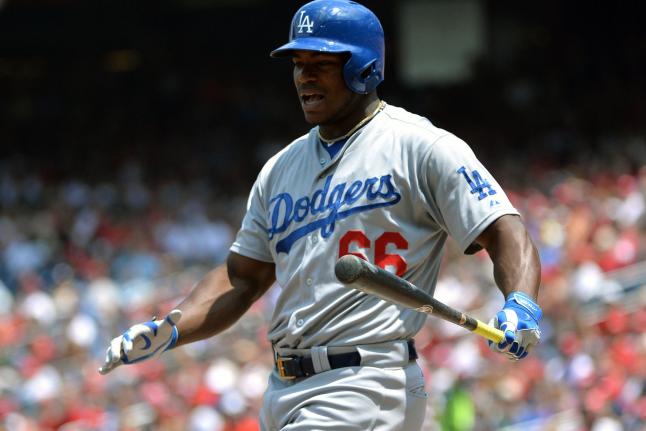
(280, 365)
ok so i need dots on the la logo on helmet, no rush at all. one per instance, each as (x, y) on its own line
(305, 22)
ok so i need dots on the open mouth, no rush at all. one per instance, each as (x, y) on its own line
(311, 98)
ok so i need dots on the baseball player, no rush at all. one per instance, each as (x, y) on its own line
(369, 179)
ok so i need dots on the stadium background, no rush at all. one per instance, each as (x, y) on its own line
(130, 133)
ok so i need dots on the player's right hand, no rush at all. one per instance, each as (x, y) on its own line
(142, 341)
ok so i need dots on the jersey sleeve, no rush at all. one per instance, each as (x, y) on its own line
(252, 240)
(463, 196)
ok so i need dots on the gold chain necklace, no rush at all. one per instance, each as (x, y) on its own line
(381, 106)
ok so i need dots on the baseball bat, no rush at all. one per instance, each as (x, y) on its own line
(369, 278)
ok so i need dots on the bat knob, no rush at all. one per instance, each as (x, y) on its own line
(348, 269)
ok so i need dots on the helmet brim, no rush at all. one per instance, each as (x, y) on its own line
(317, 44)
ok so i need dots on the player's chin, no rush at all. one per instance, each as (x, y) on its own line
(314, 117)
(315, 113)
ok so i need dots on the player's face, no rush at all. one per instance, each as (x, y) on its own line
(324, 97)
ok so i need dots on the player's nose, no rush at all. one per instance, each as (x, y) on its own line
(306, 74)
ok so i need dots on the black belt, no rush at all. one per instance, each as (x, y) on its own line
(292, 367)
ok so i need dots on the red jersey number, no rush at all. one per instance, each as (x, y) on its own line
(382, 259)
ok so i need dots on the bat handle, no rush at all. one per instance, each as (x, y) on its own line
(489, 332)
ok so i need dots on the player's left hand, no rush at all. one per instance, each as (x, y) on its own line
(519, 320)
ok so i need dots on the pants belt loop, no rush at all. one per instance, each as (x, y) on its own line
(320, 359)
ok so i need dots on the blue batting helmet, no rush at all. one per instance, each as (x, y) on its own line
(341, 26)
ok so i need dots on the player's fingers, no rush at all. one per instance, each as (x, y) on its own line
(108, 358)
(503, 346)
(173, 317)
(508, 323)
(139, 336)
(519, 351)
(115, 349)
(107, 367)
(110, 362)
(528, 337)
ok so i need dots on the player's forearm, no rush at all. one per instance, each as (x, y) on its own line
(212, 306)
(515, 258)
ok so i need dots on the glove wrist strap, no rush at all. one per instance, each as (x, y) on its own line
(173, 338)
(525, 302)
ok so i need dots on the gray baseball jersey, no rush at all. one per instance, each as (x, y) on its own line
(391, 195)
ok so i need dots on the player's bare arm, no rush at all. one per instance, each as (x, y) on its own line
(517, 274)
(215, 304)
(222, 297)
(515, 258)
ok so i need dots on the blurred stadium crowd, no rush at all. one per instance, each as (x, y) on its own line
(123, 177)
(80, 262)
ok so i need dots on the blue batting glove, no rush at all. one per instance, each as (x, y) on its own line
(142, 341)
(518, 319)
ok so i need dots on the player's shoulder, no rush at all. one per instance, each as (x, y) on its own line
(290, 155)
(413, 128)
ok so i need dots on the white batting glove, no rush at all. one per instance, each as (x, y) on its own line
(519, 320)
(142, 341)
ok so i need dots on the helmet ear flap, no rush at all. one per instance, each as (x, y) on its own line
(368, 79)
(369, 70)
(372, 76)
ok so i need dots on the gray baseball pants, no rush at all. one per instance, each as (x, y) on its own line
(385, 393)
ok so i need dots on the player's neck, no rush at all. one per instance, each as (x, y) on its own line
(351, 123)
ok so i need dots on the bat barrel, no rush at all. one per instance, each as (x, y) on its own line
(368, 278)
(348, 269)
